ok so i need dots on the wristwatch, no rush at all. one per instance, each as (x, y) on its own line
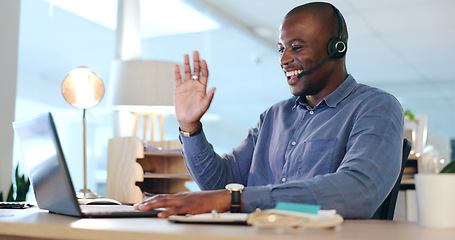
(190, 134)
(236, 196)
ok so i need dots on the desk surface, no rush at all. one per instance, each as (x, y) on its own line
(36, 223)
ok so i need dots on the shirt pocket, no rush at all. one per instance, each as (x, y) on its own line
(313, 157)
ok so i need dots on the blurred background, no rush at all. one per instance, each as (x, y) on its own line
(401, 46)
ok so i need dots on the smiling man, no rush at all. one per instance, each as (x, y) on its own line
(307, 42)
(335, 142)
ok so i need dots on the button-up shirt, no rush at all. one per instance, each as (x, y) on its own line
(343, 154)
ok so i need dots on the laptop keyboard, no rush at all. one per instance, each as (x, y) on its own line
(14, 205)
(106, 208)
(115, 211)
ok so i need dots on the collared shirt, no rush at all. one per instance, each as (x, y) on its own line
(343, 154)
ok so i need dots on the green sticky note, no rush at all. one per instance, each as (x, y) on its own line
(298, 207)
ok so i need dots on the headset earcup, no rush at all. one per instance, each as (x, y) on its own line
(337, 47)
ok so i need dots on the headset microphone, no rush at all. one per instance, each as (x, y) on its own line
(315, 66)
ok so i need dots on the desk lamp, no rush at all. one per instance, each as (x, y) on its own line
(83, 89)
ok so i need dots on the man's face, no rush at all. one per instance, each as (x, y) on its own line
(303, 44)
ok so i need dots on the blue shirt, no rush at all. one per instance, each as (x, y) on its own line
(343, 154)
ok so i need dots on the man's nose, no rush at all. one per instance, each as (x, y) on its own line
(286, 58)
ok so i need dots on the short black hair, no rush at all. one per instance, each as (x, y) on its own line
(321, 9)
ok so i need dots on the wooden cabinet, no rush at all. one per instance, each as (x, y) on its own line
(131, 171)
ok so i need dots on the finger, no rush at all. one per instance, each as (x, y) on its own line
(164, 214)
(205, 72)
(172, 211)
(186, 68)
(147, 206)
(196, 63)
(183, 209)
(178, 77)
(150, 200)
(160, 201)
(208, 98)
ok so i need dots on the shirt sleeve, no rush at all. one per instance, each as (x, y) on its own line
(212, 171)
(365, 176)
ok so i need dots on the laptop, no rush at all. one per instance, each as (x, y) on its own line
(49, 175)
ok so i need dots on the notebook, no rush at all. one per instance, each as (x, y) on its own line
(49, 175)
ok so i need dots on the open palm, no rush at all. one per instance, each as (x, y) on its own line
(191, 98)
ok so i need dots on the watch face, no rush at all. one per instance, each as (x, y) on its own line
(235, 187)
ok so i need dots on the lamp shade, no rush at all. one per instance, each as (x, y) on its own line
(141, 82)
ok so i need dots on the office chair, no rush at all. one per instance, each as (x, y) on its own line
(387, 208)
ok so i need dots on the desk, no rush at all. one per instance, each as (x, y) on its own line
(35, 223)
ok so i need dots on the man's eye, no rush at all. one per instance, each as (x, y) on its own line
(280, 50)
(295, 48)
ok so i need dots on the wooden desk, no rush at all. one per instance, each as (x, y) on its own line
(35, 223)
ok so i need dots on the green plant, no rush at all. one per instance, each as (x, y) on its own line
(21, 188)
(449, 168)
(409, 114)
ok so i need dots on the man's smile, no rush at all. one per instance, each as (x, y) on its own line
(292, 73)
(292, 76)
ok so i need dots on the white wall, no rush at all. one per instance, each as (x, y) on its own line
(9, 30)
(52, 42)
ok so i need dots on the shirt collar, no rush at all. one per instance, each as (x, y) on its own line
(332, 100)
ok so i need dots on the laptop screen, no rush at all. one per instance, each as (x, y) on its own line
(46, 165)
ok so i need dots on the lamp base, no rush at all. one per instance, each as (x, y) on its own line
(86, 194)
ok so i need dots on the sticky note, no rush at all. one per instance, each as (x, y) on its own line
(298, 207)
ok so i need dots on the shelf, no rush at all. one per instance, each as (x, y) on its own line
(131, 171)
(165, 154)
(167, 176)
(409, 181)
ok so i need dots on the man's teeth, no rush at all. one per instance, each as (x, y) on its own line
(293, 73)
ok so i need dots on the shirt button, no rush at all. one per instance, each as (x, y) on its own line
(293, 143)
(283, 180)
(311, 112)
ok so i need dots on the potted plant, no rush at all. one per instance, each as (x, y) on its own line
(20, 187)
(449, 168)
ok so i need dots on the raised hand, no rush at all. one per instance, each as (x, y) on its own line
(191, 98)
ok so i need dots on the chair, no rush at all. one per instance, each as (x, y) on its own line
(152, 116)
(387, 208)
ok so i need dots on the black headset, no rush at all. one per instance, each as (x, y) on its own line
(337, 46)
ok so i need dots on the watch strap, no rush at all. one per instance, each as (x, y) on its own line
(190, 134)
(236, 201)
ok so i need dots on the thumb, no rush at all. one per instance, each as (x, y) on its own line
(208, 98)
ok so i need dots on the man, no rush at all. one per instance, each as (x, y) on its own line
(335, 143)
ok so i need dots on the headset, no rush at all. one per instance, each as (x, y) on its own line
(336, 48)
